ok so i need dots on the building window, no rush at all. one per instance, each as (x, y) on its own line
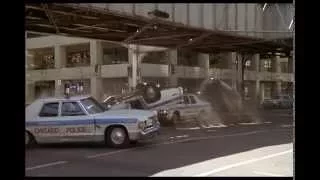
(78, 58)
(267, 64)
(115, 56)
(248, 64)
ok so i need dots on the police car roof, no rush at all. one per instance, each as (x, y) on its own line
(65, 98)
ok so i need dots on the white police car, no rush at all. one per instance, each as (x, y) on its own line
(188, 107)
(82, 118)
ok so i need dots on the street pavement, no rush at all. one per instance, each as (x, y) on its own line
(241, 150)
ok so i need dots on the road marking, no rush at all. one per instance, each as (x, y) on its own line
(178, 141)
(243, 163)
(192, 128)
(251, 123)
(266, 173)
(45, 165)
(108, 153)
(286, 125)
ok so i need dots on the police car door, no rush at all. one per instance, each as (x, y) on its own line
(77, 124)
(45, 126)
(185, 110)
(194, 108)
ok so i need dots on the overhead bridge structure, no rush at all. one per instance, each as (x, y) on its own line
(206, 28)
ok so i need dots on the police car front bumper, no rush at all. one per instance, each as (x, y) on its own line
(148, 133)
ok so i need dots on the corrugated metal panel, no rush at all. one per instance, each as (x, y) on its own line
(180, 13)
(165, 7)
(143, 8)
(208, 16)
(231, 16)
(123, 7)
(195, 15)
(241, 17)
(219, 16)
(251, 18)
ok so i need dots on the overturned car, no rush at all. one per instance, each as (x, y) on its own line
(171, 104)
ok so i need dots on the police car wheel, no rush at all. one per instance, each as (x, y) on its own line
(28, 139)
(117, 137)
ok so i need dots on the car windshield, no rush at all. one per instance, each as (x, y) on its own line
(92, 105)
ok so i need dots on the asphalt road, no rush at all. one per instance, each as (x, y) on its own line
(227, 148)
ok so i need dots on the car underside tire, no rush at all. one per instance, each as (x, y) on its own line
(117, 137)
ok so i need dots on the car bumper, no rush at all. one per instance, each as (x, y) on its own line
(146, 134)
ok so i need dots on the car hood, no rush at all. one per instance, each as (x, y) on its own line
(127, 113)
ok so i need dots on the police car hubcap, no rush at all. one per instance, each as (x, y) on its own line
(117, 136)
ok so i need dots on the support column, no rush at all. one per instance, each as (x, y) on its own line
(173, 62)
(257, 95)
(261, 92)
(96, 88)
(277, 62)
(256, 60)
(133, 66)
(59, 88)
(96, 52)
(30, 92)
(204, 63)
(60, 56)
(231, 59)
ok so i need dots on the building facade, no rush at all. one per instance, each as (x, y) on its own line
(108, 68)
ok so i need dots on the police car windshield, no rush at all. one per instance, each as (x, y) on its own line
(92, 106)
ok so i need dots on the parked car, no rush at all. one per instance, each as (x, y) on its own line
(281, 101)
(82, 118)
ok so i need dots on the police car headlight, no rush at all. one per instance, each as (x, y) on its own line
(141, 125)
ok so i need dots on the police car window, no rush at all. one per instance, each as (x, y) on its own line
(92, 106)
(186, 99)
(193, 100)
(49, 110)
(71, 109)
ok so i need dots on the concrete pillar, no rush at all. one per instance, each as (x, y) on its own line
(96, 52)
(173, 62)
(276, 61)
(30, 92)
(96, 88)
(257, 94)
(133, 66)
(204, 63)
(231, 59)
(30, 61)
(256, 61)
(59, 88)
(262, 92)
(60, 56)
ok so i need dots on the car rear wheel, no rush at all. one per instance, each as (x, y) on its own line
(117, 137)
(29, 140)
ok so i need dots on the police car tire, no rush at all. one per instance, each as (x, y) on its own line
(31, 140)
(109, 141)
